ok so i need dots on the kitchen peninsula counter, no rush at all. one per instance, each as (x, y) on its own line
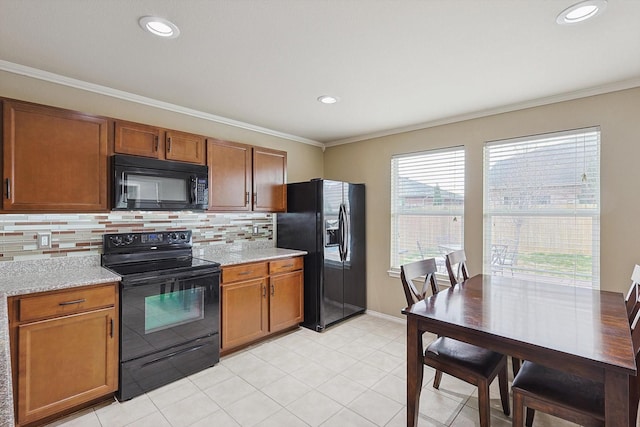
(25, 277)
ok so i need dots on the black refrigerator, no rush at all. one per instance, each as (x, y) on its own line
(327, 219)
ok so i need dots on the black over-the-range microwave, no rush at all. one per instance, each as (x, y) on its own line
(148, 184)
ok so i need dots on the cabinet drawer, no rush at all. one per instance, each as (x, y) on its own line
(244, 272)
(67, 302)
(285, 265)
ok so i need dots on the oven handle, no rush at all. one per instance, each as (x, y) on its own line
(146, 280)
(175, 353)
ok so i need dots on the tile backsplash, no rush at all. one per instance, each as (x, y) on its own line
(81, 234)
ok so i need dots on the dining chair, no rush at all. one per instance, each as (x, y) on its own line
(456, 263)
(634, 293)
(567, 396)
(472, 364)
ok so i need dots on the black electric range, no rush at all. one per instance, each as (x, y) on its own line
(169, 308)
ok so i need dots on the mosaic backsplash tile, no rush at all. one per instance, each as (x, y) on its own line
(81, 234)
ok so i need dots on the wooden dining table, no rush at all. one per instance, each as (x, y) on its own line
(577, 330)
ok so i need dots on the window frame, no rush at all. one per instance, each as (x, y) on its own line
(458, 156)
(544, 208)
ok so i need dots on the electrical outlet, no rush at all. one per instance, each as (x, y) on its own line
(44, 240)
(255, 229)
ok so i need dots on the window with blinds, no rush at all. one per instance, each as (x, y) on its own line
(542, 207)
(427, 205)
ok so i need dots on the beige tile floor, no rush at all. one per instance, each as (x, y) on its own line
(350, 375)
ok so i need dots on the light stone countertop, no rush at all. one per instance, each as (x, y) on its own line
(25, 277)
(233, 257)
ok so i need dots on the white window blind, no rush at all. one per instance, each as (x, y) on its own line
(427, 205)
(542, 207)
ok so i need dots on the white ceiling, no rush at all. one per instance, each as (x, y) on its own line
(394, 64)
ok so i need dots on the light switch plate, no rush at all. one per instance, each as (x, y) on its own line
(44, 240)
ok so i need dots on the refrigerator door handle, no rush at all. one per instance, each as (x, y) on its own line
(342, 230)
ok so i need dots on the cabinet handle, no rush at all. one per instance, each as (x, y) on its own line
(246, 198)
(169, 146)
(287, 266)
(76, 301)
(111, 328)
(155, 145)
(244, 273)
(273, 290)
(255, 198)
(264, 291)
(9, 188)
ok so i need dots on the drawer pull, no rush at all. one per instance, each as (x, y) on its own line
(77, 301)
(287, 265)
(244, 273)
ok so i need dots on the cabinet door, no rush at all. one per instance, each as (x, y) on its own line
(269, 180)
(54, 160)
(244, 312)
(285, 300)
(66, 361)
(184, 147)
(229, 176)
(137, 139)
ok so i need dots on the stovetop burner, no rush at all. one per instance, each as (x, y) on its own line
(157, 253)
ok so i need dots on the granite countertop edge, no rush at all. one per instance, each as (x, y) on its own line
(26, 277)
(229, 258)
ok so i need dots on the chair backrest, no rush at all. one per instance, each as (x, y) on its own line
(635, 334)
(633, 296)
(410, 272)
(456, 262)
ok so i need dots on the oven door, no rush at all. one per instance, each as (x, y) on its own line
(161, 312)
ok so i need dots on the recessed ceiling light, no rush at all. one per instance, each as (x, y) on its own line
(159, 27)
(581, 11)
(327, 99)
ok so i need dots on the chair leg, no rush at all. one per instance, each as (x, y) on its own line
(518, 410)
(436, 379)
(515, 364)
(530, 414)
(484, 404)
(503, 382)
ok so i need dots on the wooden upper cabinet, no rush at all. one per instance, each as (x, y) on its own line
(54, 160)
(149, 141)
(137, 139)
(184, 147)
(244, 178)
(269, 180)
(229, 175)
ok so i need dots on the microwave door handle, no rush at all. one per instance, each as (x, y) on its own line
(194, 188)
(123, 184)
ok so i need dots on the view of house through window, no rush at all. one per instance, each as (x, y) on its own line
(427, 205)
(542, 207)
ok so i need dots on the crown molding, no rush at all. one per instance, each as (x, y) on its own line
(569, 96)
(131, 97)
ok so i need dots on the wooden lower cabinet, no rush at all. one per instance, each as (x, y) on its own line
(255, 303)
(244, 312)
(63, 360)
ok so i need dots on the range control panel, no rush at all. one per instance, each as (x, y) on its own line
(147, 240)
